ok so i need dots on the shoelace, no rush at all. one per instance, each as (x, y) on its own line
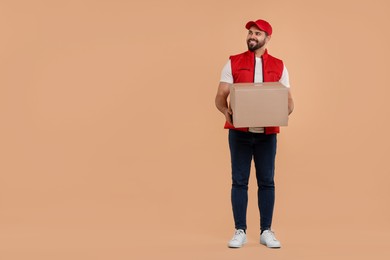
(271, 234)
(237, 233)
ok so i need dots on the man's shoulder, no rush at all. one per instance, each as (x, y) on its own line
(268, 56)
(245, 53)
(274, 58)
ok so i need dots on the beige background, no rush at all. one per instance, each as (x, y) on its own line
(112, 148)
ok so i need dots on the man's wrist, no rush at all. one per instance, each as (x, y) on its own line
(224, 110)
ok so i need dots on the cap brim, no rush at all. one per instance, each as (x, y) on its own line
(250, 24)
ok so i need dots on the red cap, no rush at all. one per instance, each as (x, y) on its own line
(261, 24)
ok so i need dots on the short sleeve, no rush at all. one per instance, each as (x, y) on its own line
(226, 74)
(285, 78)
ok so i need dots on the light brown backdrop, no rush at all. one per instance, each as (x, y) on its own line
(112, 148)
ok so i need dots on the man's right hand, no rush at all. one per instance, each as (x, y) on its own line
(229, 115)
(221, 101)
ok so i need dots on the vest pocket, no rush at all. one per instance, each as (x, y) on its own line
(273, 76)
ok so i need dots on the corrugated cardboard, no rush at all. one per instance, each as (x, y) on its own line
(259, 104)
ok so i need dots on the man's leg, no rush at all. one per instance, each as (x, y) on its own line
(241, 156)
(264, 158)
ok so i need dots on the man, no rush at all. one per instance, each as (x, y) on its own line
(259, 143)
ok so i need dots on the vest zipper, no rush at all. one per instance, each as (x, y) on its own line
(262, 67)
(254, 68)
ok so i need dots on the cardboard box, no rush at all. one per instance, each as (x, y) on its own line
(259, 104)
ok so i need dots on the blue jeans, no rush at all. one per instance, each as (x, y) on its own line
(262, 148)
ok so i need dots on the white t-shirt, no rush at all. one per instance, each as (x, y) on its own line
(227, 76)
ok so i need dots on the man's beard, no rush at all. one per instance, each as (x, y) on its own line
(258, 44)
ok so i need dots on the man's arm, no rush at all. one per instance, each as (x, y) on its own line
(286, 81)
(221, 101)
(290, 102)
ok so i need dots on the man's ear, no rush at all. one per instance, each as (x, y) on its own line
(268, 38)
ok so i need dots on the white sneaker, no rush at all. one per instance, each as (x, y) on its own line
(268, 238)
(238, 240)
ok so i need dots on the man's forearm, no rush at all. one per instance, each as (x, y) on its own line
(290, 103)
(221, 104)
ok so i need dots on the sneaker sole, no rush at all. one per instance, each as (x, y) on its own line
(232, 246)
(263, 243)
(270, 246)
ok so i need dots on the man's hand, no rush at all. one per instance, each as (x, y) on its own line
(228, 115)
(221, 101)
(290, 103)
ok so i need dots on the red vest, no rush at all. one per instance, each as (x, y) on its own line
(243, 71)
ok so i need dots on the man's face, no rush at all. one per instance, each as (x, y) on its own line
(256, 38)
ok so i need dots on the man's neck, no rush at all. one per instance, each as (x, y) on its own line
(259, 52)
